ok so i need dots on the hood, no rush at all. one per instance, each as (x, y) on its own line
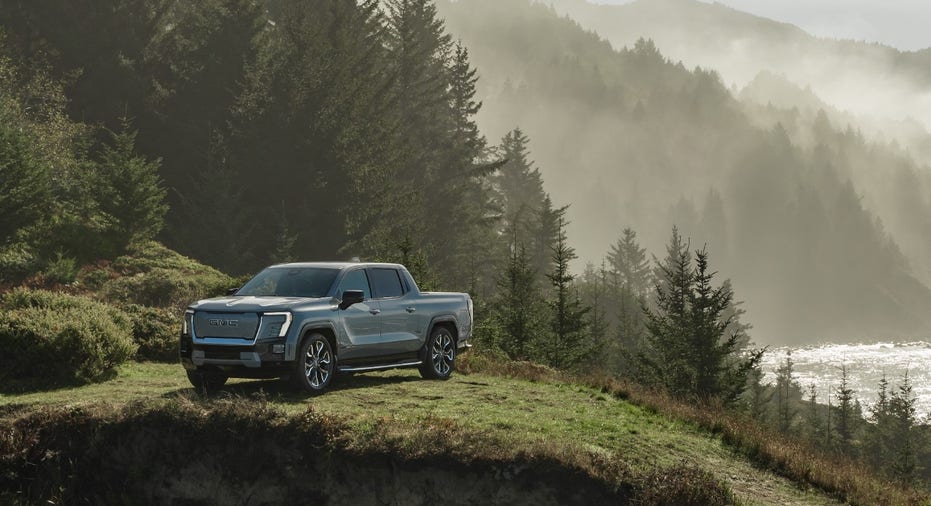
(252, 304)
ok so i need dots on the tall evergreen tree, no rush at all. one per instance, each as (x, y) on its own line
(847, 413)
(570, 344)
(786, 395)
(519, 186)
(130, 191)
(519, 305)
(688, 330)
(629, 264)
(908, 442)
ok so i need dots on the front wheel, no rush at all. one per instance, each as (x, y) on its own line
(315, 364)
(438, 355)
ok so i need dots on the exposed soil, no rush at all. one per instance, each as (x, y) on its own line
(173, 458)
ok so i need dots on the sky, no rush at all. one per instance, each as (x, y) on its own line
(902, 24)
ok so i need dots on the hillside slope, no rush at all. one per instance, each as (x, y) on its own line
(477, 425)
(629, 138)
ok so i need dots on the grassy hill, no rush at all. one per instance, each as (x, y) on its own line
(521, 428)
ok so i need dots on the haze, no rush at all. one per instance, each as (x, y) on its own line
(898, 23)
(801, 163)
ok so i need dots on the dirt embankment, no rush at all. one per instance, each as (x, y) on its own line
(191, 454)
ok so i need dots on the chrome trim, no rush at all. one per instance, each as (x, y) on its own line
(378, 367)
(224, 341)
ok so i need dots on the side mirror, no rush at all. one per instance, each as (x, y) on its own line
(232, 291)
(351, 297)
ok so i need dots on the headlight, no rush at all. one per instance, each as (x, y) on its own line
(274, 325)
(187, 323)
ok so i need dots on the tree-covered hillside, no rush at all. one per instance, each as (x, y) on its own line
(632, 139)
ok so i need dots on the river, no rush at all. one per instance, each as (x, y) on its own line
(866, 363)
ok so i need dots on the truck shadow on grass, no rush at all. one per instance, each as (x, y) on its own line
(283, 390)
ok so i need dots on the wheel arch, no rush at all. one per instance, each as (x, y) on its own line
(447, 321)
(325, 329)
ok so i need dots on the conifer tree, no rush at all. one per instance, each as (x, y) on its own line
(813, 422)
(629, 264)
(880, 435)
(786, 387)
(907, 438)
(519, 305)
(131, 196)
(847, 413)
(570, 344)
(519, 186)
(688, 330)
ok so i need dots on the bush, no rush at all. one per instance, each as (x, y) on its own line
(164, 288)
(55, 338)
(153, 275)
(155, 331)
(17, 261)
(61, 269)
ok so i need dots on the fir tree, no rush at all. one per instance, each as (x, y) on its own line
(847, 413)
(570, 344)
(786, 389)
(519, 305)
(688, 330)
(131, 195)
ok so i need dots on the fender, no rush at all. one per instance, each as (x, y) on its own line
(290, 351)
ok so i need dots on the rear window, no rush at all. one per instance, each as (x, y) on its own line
(291, 282)
(386, 283)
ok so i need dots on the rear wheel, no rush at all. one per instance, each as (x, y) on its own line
(315, 364)
(438, 355)
(206, 383)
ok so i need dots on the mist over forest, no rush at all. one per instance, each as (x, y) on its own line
(451, 135)
(801, 163)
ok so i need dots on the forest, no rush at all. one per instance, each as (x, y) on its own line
(241, 133)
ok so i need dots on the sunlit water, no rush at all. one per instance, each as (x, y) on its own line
(865, 363)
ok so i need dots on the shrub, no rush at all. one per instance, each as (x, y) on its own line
(55, 338)
(682, 484)
(153, 275)
(61, 269)
(155, 331)
(17, 261)
(164, 288)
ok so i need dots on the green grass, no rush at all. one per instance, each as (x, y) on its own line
(549, 416)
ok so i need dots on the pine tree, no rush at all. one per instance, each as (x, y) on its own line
(594, 288)
(880, 435)
(131, 195)
(907, 438)
(629, 264)
(570, 345)
(813, 422)
(786, 388)
(519, 186)
(693, 353)
(847, 413)
(519, 305)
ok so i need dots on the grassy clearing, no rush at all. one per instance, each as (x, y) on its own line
(480, 415)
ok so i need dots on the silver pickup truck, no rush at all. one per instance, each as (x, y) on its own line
(310, 321)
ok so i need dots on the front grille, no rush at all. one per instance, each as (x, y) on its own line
(223, 352)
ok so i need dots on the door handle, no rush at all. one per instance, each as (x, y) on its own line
(411, 309)
(374, 311)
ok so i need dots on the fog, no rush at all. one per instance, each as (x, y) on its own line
(801, 163)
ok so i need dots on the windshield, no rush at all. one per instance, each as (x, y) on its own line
(291, 282)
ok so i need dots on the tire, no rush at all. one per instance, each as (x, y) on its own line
(315, 364)
(206, 383)
(438, 355)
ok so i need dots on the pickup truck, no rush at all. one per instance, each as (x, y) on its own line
(310, 321)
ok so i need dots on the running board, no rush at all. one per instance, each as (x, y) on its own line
(364, 368)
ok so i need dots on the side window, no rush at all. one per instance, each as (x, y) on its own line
(355, 280)
(386, 283)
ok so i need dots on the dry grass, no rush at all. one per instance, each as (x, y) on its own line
(849, 481)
